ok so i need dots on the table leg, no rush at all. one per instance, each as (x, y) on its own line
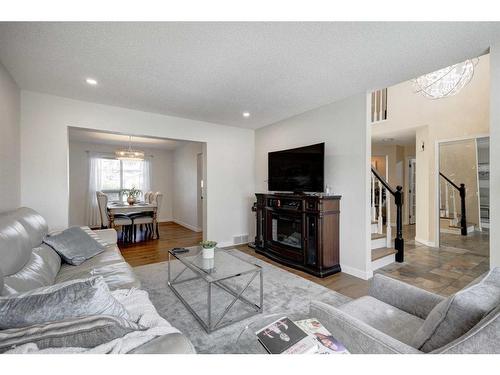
(261, 290)
(155, 224)
(111, 219)
(209, 319)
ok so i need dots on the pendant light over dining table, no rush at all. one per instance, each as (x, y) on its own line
(129, 153)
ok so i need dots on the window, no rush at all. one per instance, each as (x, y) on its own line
(116, 175)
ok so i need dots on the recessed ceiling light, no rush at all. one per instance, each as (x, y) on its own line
(246, 114)
(91, 81)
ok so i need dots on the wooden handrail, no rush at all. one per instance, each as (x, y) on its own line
(463, 218)
(398, 200)
(450, 181)
(384, 182)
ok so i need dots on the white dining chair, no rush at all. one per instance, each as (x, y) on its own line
(146, 218)
(120, 220)
(147, 196)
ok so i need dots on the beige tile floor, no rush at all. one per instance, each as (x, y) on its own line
(443, 270)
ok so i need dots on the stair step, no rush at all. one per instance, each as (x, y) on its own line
(446, 217)
(382, 252)
(376, 236)
(374, 222)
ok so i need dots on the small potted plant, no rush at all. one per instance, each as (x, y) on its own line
(208, 248)
(132, 195)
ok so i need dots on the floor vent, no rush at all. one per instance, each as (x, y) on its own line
(240, 239)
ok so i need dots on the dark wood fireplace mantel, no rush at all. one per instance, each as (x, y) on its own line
(300, 231)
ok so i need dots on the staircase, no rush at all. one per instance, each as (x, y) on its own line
(383, 251)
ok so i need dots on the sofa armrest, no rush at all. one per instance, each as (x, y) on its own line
(174, 343)
(107, 235)
(357, 336)
(405, 297)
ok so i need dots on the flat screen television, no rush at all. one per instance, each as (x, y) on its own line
(297, 170)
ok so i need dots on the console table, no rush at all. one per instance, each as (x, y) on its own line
(300, 231)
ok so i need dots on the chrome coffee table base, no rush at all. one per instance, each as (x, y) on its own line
(214, 322)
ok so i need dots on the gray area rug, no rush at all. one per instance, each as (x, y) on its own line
(284, 293)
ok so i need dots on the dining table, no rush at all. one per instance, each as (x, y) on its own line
(125, 208)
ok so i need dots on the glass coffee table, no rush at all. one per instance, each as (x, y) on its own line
(224, 274)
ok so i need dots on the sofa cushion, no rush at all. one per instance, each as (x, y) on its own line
(74, 245)
(33, 222)
(117, 274)
(41, 270)
(73, 299)
(459, 313)
(15, 245)
(85, 332)
(384, 317)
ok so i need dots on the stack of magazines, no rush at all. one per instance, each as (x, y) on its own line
(308, 336)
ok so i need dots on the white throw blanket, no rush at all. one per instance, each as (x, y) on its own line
(140, 309)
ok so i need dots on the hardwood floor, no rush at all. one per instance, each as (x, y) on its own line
(147, 251)
(340, 282)
(174, 235)
(442, 271)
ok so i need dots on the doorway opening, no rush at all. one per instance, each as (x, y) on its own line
(464, 194)
(169, 174)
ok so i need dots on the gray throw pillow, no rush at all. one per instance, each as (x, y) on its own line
(87, 332)
(71, 299)
(74, 245)
(457, 314)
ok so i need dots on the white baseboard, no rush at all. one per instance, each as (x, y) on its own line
(425, 242)
(188, 226)
(230, 244)
(356, 272)
(165, 219)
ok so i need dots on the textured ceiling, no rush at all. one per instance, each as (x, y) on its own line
(215, 71)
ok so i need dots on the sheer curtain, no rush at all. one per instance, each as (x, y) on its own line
(95, 184)
(146, 176)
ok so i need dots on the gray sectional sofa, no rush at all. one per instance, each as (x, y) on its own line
(399, 318)
(26, 263)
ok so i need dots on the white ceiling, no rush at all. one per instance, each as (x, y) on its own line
(215, 71)
(122, 140)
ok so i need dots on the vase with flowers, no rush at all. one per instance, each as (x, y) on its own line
(132, 195)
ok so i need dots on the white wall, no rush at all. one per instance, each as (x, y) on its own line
(185, 185)
(342, 126)
(161, 178)
(10, 104)
(44, 157)
(495, 155)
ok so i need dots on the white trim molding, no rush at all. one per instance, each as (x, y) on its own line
(357, 272)
(188, 226)
(382, 262)
(425, 242)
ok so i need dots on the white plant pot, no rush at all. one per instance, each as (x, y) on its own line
(208, 263)
(208, 253)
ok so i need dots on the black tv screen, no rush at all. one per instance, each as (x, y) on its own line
(298, 169)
